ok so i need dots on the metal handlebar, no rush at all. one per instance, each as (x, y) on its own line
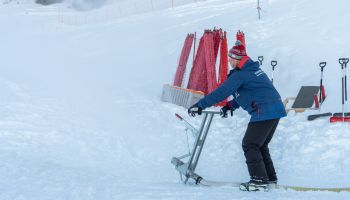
(208, 112)
(211, 112)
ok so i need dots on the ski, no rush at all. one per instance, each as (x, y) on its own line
(208, 183)
(316, 116)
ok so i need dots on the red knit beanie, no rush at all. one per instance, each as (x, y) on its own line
(237, 51)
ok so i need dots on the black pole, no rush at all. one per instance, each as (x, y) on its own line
(346, 89)
(342, 87)
(346, 60)
(259, 10)
(342, 61)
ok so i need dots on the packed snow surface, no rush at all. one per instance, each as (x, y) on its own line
(80, 109)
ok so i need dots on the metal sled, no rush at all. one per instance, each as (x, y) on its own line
(306, 99)
(187, 168)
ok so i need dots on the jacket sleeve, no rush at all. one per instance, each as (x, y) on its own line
(225, 90)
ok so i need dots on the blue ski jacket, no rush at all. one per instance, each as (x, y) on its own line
(252, 90)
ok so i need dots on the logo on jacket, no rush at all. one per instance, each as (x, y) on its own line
(259, 72)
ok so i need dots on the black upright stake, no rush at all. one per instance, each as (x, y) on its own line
(261, 58)
(259, 9)
(273, 64)
(346, 60)
(322, 65)
(342, 88)
(341, 62)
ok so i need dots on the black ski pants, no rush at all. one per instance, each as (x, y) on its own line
(255, 146)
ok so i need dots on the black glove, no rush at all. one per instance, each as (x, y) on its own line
(227, 107)
(194, 109)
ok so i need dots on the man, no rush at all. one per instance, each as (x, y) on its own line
(253, 91)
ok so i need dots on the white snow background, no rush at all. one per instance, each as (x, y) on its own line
(80, 110)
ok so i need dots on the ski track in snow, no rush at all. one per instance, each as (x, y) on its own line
(80, 116)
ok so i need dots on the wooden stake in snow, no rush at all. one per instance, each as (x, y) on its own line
(259, 9)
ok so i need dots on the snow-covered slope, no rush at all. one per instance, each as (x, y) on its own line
(80, 115)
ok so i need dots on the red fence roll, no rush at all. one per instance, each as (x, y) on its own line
(223, 67)
(196, 71)
(210, 60)
(203, 75)
(185, 53)
(217, 40)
